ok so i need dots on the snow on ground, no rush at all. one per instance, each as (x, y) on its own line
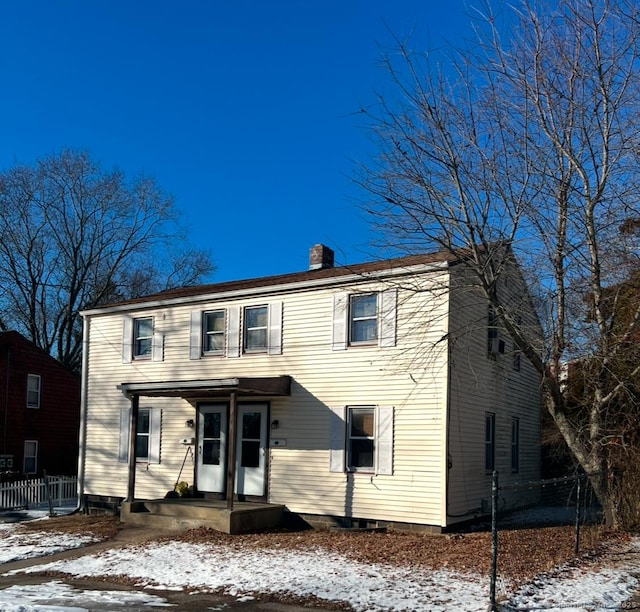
(40, 598)
(241, 572)
(311, 573)
(16, 544)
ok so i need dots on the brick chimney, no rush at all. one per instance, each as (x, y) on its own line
(320, 256)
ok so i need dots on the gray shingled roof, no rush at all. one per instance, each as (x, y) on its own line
(295, 277)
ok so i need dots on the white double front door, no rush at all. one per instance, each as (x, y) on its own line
(251, 448)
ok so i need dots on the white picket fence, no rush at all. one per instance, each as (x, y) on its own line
(38, 492)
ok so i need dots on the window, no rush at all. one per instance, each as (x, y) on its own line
(140, 341)
(147, 443)
(142, 338)
(517, 354)
(495, 344)
(33, 391)
(213, 330)
(256, 320)
(361, 439)
(142, 435)
(517, 360)
(30, 456)
(515, 444)
(234, 331)
(363, 318)
(489, 441)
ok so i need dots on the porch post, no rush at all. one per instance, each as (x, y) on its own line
(133, 428)
(231, 445)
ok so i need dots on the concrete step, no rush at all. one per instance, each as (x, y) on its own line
(188, 514)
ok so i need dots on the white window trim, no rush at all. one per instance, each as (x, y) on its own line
(35, 457)
(383, 445)
(387, 321)
(349, 439)
(260, 350)
(206, 334)
(234, 331)
(352, 318)
(137, 323)
(155, 428)
(157, 342)
(34, 377)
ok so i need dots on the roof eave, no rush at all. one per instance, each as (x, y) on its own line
(263, 289)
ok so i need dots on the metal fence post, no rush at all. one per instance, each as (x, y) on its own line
(578, 503)
(494, 541)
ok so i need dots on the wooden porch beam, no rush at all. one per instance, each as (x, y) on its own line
(133, 428)
(231, 445)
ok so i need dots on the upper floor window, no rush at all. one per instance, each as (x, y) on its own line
(33, 391)
(213, 330)
(234, 330)
(140, 341)
(517, 360)
(256, 320)
(517, 354)
(363, 318)
(142, 337)
(495, 344)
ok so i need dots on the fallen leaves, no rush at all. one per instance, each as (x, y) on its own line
(523, 553)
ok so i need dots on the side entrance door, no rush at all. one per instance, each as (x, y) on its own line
(212, 447)
(251, 449)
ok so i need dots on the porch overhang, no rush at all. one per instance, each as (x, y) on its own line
(210, 387)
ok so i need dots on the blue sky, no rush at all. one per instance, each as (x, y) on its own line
(245, 111)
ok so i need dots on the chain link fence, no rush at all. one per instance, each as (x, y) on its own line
(536, 526)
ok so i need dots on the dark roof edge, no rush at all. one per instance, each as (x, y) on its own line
(366, 269)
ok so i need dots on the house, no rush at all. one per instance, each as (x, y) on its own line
(381, 394)
(39, 410)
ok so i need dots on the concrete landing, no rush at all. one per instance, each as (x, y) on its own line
(189, 513)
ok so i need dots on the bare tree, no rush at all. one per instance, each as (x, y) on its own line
(74, 236)
(529, 138)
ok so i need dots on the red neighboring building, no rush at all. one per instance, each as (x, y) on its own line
(39, 410)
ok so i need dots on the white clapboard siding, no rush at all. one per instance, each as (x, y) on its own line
(431, 412)
(299, 473)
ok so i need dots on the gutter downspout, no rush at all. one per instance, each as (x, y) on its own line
(83, 412)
